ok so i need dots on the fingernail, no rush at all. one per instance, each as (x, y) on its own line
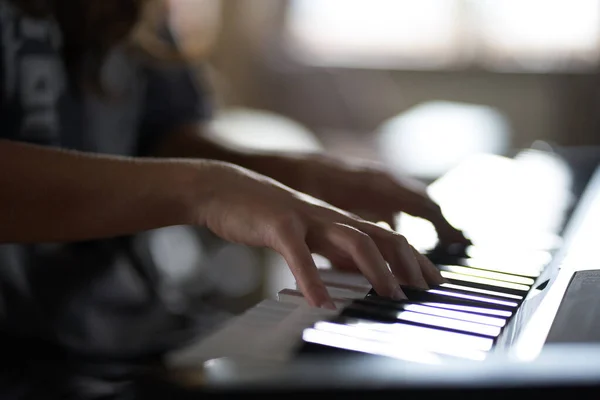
(398, 294)
(329, 305)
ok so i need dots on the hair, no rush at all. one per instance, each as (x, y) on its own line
(90, 28)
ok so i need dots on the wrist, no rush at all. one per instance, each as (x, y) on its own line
(289, 169)
(189, 188)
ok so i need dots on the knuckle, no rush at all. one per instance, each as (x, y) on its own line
(287, 222)
(400, 240)
(361, 241)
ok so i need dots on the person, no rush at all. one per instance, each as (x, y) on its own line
(99, 145)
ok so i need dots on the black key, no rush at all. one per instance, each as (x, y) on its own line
(475, 310)
(508, 289)
(418, 294)
(482, 294)
(414, 318)
(479, 290)
(488, 273)
(432, 310)
(377, 301)
(443, 295)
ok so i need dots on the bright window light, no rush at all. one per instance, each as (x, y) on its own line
(422, 33)
(538, 35)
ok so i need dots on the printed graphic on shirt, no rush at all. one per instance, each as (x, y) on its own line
(33, 75)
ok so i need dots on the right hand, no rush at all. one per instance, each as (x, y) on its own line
(254, 210)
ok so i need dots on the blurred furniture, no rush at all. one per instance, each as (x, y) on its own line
(429, 139)
(263, 130)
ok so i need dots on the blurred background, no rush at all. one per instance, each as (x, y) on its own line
(419, 85)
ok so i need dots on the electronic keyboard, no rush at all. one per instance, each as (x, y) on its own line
(484, 312)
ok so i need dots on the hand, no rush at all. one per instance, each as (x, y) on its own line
(251, 209)
(368, 190)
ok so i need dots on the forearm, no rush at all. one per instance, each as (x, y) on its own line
(52, 195)
(192, 141)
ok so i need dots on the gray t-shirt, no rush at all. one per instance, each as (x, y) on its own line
(97, 295)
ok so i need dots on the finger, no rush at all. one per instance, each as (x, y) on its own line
(385, 221)
(296, 253)
(402, 260)
(380, 218)
(390, 220)
(343, 264)
(430, 272)
(449, 235)
(365, 255)
(422, 206)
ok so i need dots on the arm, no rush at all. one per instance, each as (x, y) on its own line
(367, 190)
(52, 195)
(192, 141)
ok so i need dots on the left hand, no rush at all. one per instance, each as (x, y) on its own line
(368, 190)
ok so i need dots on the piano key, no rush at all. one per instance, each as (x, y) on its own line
(527, 264)
(473, 288)
(271, 330)
(469, 309)
(353, 281)
(455, 296)
(489, 274)
(342, 293)
(502, 288)
(502, 256)
(450, 297)
(344, 280)
(319, 342)
(473, 314)
(455, 292)
(296, 297)
(385, 302)
(342, 298)
(435, 340)
(415, 318)
(465, 284)
(429, 310)
(447, 288)
(510, 266)
(481, 314)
